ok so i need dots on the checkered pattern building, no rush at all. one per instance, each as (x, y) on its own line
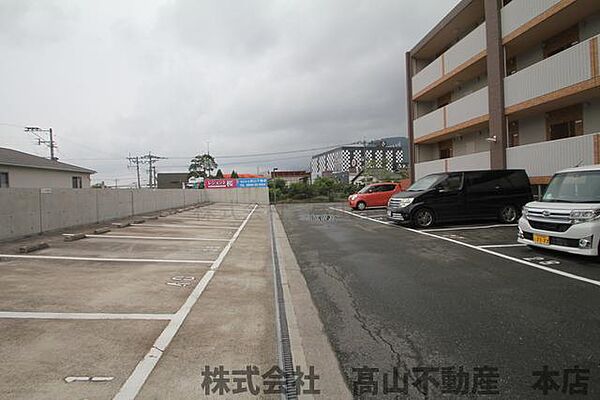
(343, 159)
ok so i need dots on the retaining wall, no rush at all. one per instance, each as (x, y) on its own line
(32, 211)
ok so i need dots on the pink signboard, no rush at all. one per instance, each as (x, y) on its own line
(220, 183)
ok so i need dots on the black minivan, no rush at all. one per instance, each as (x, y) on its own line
(459, 196)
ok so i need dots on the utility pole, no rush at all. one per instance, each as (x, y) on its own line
(48, 142)
(136, 161)
(151, 159)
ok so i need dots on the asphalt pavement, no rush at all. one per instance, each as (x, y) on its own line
(460, 311)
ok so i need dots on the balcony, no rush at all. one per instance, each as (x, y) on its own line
(464, 54)
(465, 113)
(545, 158)
(564, 74)
(470, 162)
(518, 15)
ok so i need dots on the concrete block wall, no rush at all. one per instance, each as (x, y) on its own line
(241, 196)
(32, 211)
(19, 212)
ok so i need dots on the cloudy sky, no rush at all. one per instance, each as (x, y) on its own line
(119, 77)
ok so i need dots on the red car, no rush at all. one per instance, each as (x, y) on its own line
(375, 195)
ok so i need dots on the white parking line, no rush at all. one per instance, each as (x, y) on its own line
(135, 260)
(205, 219)
(96, 316)
(144, 368)
(497, 246)
(71, 379)
(466, 228)
(517, 260)
(183, 226)
(185, 239)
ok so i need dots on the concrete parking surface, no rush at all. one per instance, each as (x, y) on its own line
(120, 314)
(454, 298)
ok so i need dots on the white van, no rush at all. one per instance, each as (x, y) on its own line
(567, 218)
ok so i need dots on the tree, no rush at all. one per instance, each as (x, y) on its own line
(202, 166)
(219, 174)
(234, 175)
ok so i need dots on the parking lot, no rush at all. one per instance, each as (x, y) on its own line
(501, 241)
(450, 298)
(92, 318)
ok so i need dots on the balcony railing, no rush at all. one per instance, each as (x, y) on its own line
(429, 123)
(519, 12)
(545, 158)
(469, 162)
(455, 115)
(463, 51)
(565, 69)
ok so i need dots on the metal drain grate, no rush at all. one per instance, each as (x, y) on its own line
(284, 345)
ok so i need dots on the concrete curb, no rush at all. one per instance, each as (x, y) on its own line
(309, 342)
(33, 247)
(71, 237)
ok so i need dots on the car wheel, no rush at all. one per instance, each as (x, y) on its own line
(509, 214)
(361, 206)
(423, 218)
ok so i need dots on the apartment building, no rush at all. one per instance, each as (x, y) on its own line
(507, 84)
(347, 161)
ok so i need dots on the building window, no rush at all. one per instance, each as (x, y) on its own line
(444, 100)
(562, 41)
(446, 149)
(3, 179)
(76, 180)
(565, 123)
(513, 133)
(511, 66)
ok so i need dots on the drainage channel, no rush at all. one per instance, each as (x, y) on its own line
(283, 335)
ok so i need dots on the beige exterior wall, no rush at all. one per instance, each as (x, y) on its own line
(20, 177)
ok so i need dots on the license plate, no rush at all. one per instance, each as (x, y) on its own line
(390, 214)
(541, 239)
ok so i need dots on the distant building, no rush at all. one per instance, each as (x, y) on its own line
(387, 153)
(228, 176)
(291, 176)
(171, 180)
(23, 170)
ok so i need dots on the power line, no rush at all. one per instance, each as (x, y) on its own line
(151, 159)
(136, 161)
(233, 156)
(50, 142)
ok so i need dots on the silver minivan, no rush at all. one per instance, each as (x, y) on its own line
(567, 218)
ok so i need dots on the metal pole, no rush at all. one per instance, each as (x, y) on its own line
(51, 145)
(137, 166)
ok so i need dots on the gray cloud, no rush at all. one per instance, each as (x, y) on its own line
(116, 77)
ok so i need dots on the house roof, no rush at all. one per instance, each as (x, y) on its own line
(19, 159)
(289, 173)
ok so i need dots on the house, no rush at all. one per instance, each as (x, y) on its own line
(509, 84)
(291, 176)
(23, 170)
